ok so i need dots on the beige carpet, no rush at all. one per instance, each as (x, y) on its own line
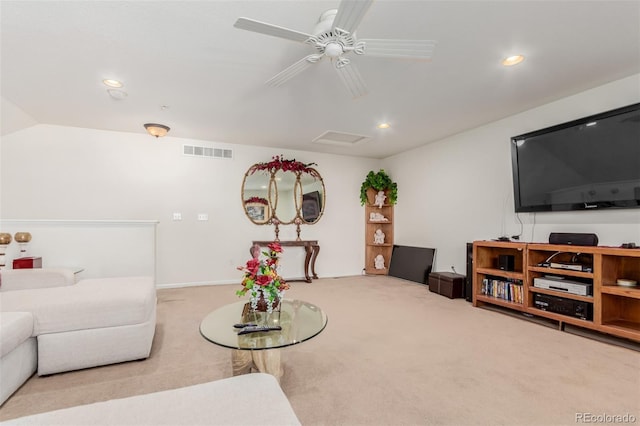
(392, 354)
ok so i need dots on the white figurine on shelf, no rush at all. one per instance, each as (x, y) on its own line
(378, 237)
(379, 262)
(380, 197)
(377, 217)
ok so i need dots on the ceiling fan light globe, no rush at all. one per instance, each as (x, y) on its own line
(333, 50)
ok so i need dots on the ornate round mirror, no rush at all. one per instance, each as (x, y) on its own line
(255, 198)
(283, 192)
(312, 198)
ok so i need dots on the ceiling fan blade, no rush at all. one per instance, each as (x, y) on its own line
(350, 13)
(293, 70)
(422, 49)
(270, 29)
(352, 80)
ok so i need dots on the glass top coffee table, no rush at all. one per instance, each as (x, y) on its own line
(299, 321)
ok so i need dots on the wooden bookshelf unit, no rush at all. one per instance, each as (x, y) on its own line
(615, 308)
(373, 249)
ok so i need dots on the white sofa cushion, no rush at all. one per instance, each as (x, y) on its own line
(251, 399)
(91, 303)
(15, 328)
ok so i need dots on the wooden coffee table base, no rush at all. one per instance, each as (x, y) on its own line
(264, 361)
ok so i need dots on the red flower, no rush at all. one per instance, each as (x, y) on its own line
(275, 247)
(263, 280)
(252, 266)
(272, 261)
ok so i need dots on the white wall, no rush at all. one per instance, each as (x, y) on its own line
(64, 173)
(13, 118)
(460, 189)
(450, 192)
(98, 248)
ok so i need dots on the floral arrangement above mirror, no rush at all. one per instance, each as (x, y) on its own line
(279, 163)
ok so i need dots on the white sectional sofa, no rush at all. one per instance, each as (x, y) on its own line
(66, 326)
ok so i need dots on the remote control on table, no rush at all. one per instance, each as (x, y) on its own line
(241, 325)
(257, 328)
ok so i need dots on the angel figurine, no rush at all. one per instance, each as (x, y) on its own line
(380, 197)
(377, 217)
(378, 237)
(379, 262)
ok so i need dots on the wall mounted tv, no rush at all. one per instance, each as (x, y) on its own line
(590, 163)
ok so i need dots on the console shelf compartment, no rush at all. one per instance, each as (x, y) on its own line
(500, 302)
(486, 266)
(545, 270)
(501, 273)
(616, 308)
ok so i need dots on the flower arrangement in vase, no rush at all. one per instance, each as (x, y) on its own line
(261, 279)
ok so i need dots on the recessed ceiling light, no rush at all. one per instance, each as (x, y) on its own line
(112, 83)
(512, 60)
(384, 125)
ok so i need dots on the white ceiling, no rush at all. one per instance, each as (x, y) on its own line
(188, 56)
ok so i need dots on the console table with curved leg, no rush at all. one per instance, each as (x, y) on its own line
(311, 249)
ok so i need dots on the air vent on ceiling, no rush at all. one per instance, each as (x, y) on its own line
(339, 138)
(205, 151)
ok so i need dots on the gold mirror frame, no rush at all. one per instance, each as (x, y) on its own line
(283, 192)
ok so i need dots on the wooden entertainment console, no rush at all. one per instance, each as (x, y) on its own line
(615, 308)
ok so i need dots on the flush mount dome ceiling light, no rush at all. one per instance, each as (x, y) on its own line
(157, 130)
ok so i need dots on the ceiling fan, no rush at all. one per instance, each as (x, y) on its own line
(334, 37)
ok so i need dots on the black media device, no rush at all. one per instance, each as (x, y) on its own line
(590, 163)
(575, 239)
(560, 305)
(506, 262)
(468, 285)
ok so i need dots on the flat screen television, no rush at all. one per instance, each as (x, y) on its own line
(590, 163)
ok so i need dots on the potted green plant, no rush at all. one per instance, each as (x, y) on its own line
(380, 182)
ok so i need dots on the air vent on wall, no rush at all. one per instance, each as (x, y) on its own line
(339, 138)
(205, 151)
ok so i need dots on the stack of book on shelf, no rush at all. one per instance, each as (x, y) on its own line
(510, 290)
